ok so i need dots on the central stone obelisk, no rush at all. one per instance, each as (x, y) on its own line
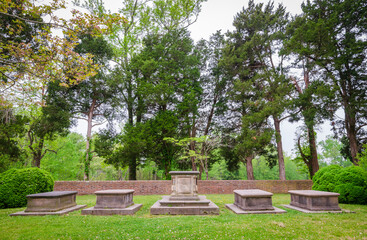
(184, 198)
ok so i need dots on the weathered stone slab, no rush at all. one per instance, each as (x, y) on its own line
(309, 211)
(206, 207)
(253, 200)
(113, 202)
(312, 200)
(61, 212)
(50, 203)
(131, 210)
(114, 198)
(238, 210)
(184, 199)
(167, 201)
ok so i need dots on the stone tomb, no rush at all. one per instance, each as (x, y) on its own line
(184, 198)
(253, 201)
(50, 203)
(311, 201)
(113, 202)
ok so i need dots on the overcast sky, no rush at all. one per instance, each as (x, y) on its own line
(218, 15)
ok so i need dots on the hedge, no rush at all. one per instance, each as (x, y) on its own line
(16, 184)
(350, 183)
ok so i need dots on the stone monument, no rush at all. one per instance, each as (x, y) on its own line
(184, 198)
(253, 201)
(113, 202)
(50, 203)
(312, 201)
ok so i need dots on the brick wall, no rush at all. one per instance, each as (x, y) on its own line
(164, 187)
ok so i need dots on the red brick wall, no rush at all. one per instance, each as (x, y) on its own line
(164, 187)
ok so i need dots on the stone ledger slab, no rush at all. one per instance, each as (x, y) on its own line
(253, 201)
(198, 207)
(184, 198)
(314, 201)
(113, 202)
(50, 203)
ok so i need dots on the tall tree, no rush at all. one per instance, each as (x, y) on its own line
(169, 72)
(93, 99)
(334, 39)
(145, 18)
(257, 64)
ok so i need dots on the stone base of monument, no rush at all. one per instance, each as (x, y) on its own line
(113, 202)
(311, 201)
(201, 206)
(253, 201)
(50, 203)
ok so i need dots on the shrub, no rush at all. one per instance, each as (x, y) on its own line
(324, 179)
(350, 183)
(16, 184)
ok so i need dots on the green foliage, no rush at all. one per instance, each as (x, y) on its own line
(331, 152)
(325, 178)
(259, 90)
(334, 39)
(66, 163)
(362, 157)
(350, 183)
(99, 170)
(11, 127)
(220, 169)
(16, 184)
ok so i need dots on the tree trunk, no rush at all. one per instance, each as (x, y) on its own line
(313, 150)
(192, 148)
(206, 169)
(278, 137)
(200, 171)
(350, 123)
(37, 154)
(89, 137)
(249, 168)
(130, 112)
(132, 168)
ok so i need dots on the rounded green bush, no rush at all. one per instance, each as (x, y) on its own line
(325, 178)
(350, 183)
(16, 184)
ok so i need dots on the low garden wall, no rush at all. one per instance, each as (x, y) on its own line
(162, 187)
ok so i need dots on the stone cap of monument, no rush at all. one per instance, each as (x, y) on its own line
(115, 191)
(253, 193)
(52, 194)
(313, 193)
(184, 172)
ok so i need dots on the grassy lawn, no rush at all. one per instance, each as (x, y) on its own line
(227, 225)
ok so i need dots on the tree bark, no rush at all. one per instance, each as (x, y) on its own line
(279, 149)
(89, 137)
(130, 112)
(37, 154)
(350, 123)
(192, 148)
(132, 168)
(314, 164)
(249, 168)
(306, 159)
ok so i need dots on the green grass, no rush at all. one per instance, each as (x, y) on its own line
(227, 225)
